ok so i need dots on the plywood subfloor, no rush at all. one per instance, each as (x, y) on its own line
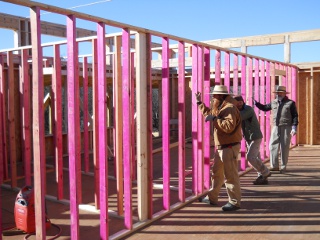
(287, 208)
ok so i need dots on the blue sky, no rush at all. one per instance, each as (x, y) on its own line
(201, 20)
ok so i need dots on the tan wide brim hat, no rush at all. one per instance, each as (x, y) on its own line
(220, 89)
(280, 89)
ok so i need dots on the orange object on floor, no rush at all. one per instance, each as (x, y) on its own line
(24, 211)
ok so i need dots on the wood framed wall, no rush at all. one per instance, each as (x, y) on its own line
(307, 89)
(209, 66)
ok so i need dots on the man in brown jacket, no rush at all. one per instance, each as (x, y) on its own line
(226, 121)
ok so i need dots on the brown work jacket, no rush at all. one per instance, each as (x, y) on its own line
(227, 124)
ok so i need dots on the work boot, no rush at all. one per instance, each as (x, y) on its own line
(274, 169)
(283, 170)
(230, 207)
(207, 201)
(261, 180)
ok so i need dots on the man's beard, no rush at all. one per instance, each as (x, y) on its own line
(215, 106)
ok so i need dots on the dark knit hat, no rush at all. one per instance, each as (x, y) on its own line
(239, 98)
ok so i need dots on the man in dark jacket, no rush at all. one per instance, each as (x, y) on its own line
(226, 121)
(285, 122)
(253, 136)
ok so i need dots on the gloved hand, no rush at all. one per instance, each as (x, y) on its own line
(209, 118)
(254, 101)
(293, 130)
(198, 96)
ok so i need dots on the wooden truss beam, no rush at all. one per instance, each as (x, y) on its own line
(47, 28)
(22, 25)
(268, 39)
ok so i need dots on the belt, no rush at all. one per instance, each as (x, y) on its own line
(229, 145)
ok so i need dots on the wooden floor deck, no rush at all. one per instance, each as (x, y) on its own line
(287, 208)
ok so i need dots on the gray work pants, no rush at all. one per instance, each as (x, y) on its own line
(253, 157)
(280, 137)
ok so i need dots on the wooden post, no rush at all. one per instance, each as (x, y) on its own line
(227, 70)
(194, 127)
(181, 120)
(26, 115)
(95, 125)
(289, 80)
(262, 116)
(200, 124)
(218, 68)
(268, 98)
(276, 67)
(72, 125)
(3, 119)
(77, 121)
(142, 127)
(284, 77)
(12, 120)
(160, 108)
(51, 109)
(113, 108)
(39, 156)
(287, 49)
(85, 114)
(150, 125)
(235, 74)
(294, 95)
(58, 140)
(256, 85)
(64, 96)
(133, 118)
(102, 129)
(2, 134)
(118, 123)
(126, 113)
(243, 163)
(250, 83)
(165, 123)
(272, 86)
(207, 126)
